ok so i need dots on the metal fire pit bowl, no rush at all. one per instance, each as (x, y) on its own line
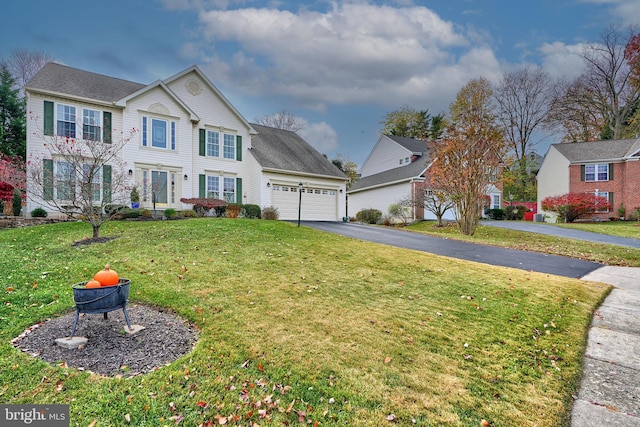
(101, 300)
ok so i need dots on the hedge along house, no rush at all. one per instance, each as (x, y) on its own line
(397, 170)
(190, 141)
(610, 169)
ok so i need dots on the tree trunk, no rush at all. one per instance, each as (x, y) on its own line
(96, 231)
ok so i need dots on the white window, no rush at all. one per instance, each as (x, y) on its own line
(230, 190)
(145, 185)
(95, 176)
(65, 181)
(229, 149)
(213, 144)
(596, 172)
(66, 122)
(158, 133)
(213, 187)
(605, 195)
(91, 125)
(69, 183)
(496, 201)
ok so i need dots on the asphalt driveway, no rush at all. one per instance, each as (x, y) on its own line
(530, 261)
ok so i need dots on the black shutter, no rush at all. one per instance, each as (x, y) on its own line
(203, 137)
(48, 118)
(106, 127)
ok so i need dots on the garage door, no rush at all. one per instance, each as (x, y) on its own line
(317, 204)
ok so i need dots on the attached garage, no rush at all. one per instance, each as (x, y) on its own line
(316, 203)
(285, 160)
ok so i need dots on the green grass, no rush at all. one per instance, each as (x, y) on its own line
(590, 251)
(613, 228)
(299, 326)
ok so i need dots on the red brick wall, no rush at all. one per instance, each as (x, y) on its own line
(625, 186)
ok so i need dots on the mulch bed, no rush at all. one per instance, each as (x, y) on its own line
(109, 350)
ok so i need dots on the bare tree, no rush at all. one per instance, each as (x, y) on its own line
(435, 201)
(574, 111)
(24, 64)
(79, 177)
(610, 75)
(283, 119)
(601, 102)
(523, 100)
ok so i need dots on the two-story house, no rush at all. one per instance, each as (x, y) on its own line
(610, 169)
(397, 170)
(190, 142)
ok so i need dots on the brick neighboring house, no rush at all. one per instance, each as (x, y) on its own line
(609, 168)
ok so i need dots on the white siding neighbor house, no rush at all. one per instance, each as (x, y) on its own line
(190, 142)
(397, 170)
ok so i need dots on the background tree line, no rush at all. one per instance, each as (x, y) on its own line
(506, 120)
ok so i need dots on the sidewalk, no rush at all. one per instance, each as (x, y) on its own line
(610, 390)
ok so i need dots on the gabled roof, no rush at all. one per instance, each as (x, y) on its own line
(57, 79)
(158, 83)
(599, 151)
(413, 170)
(224, 99)
(285, 151)
(416, 146)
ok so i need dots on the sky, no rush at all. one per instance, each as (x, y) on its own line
(339, 66)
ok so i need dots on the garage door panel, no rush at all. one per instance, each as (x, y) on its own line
(318, 204)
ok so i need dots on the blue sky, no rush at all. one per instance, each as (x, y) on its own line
(339, 66)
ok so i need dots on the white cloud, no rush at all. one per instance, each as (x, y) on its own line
(562, 60)
(320, 135)
(350, 54)
(628, 11)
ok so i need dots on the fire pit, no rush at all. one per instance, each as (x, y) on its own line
(101, 300)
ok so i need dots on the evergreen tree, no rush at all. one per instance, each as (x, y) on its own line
(12, 117)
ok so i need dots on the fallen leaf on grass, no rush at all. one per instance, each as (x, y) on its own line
(387, 359)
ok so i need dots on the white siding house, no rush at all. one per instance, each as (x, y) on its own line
(190, 141)
(397, 170)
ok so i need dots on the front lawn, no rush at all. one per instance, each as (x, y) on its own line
(301, 327)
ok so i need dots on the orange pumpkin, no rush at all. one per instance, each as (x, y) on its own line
(92, 284)
(107, 277)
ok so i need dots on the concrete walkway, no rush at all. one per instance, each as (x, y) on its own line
(610, 390)
(609, 393)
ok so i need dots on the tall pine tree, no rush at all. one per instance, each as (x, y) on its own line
(12, 117)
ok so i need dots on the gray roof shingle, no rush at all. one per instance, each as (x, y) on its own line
(608, 150)
(286, 151)
(402, 173)
(65, 80)
(413, 145)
